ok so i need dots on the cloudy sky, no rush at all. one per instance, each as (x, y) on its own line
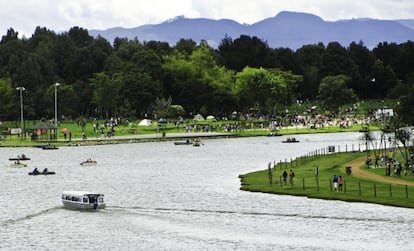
(60, 15)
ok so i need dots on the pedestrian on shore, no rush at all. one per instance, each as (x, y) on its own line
(284, 175)
(291, 176)
(335, 182)
(340, 183)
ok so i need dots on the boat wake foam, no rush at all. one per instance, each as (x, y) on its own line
(30, 216)
(292, 215)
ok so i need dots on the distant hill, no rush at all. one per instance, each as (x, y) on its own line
(286, 29)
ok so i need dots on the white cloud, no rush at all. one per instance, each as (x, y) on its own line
(60, 15)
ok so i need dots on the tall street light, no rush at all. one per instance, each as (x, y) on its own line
(56, 120)
(21, 89)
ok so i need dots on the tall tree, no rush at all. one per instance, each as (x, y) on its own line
(186, 46)
(244, 51)
(333, 92)
(264, 90)
(383, 79)
(196, 81)
(405, 109)
(162, 107)
(364, 60)
(310, 60)
(105, 94)
(336, 61)
(6, 99)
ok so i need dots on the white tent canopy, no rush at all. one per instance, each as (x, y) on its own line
(211, 117)
(198, 117)
(145, 122)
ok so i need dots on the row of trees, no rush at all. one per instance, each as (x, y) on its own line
(127, 77)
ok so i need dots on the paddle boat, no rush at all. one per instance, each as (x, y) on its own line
(20, 157)
(44, 172)
(187, 142)
(274, 134)
(49, 147)
(83, 200)
(89, 162)
(290, 140)
(197, 142)
(18, 163)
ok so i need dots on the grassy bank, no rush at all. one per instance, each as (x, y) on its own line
(306, 183)
(237, 128)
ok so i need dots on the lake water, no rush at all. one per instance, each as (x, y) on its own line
(165, 197)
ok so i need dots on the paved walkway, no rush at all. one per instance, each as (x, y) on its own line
(146, 138)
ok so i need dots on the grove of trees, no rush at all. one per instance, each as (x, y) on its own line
(128, 78)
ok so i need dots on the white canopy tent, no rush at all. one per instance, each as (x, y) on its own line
(145, 122)
(198, 117)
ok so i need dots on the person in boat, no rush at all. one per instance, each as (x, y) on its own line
(35, 171)
(44, 171)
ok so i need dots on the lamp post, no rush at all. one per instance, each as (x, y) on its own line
(56, 86)
(21, 89)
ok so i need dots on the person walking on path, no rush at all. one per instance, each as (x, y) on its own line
(291, 176)
(335, 182)
(340, 183)
(284, 175)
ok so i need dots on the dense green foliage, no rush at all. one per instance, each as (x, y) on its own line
(101, 78)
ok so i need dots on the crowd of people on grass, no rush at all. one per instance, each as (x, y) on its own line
(392, 166)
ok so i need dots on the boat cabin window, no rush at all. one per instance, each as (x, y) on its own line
(66, 197)
(72, 198)
(85, 199)
(92, 199)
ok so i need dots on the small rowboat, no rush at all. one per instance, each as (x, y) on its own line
(50, 147)
(42, 173)
(290, 140)
(183, 143)
(20, 157)
(88, 162)
(18, 163)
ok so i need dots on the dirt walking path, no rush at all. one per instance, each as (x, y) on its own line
(357, 171)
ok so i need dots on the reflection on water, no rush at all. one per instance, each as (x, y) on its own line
(160, 196)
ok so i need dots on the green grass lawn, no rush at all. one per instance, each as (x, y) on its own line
(244, 129)
(306, 183)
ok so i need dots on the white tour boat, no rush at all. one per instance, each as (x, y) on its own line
(83, 200)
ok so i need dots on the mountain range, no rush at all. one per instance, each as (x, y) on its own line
(286, 29)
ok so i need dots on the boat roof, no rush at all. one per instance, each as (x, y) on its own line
(80, 193)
